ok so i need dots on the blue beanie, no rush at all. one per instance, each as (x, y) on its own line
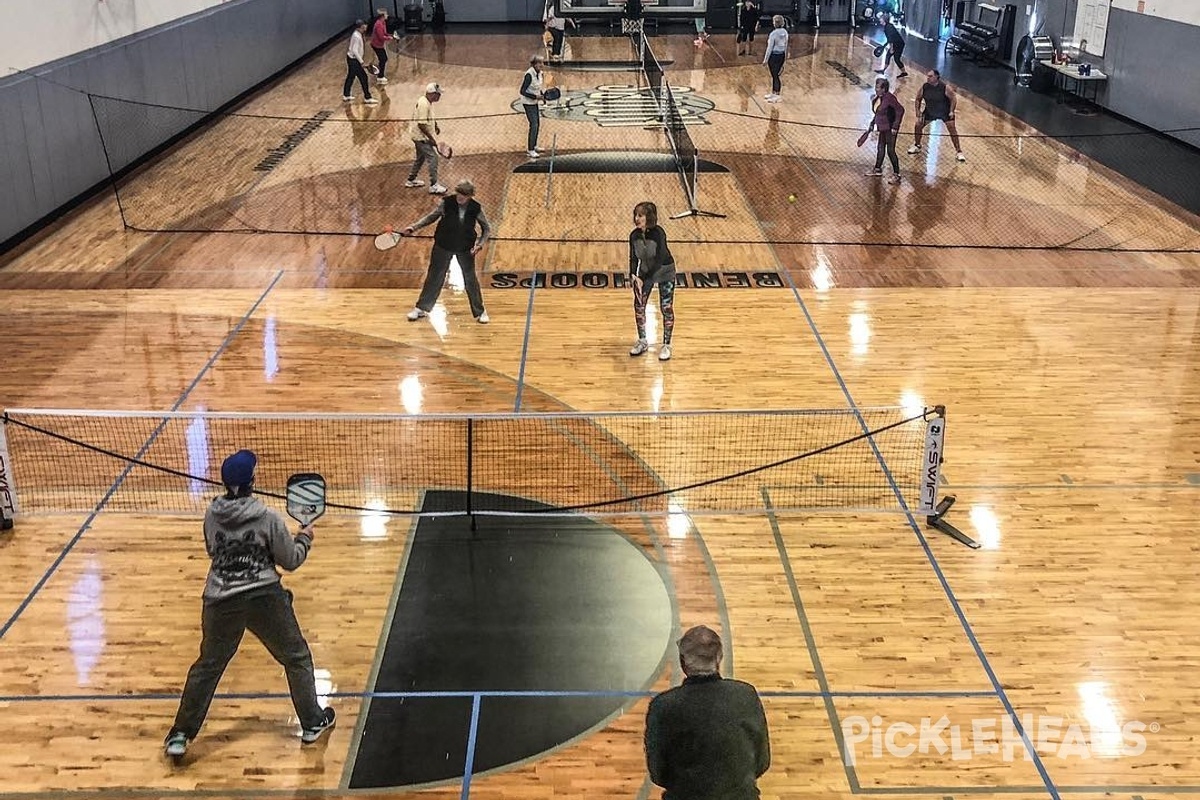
(238, 469)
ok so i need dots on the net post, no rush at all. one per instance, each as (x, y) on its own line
(8, 489)
(934, 510)
(931, 464)
(470, 467)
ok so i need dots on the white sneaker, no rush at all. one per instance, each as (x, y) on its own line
(774, 99)
(347, 98)
(916, 148)
(768, 95)
(482, 319)
(639, 347)
(416, 314)
(873, 173)
(371, 101)
(414, 184)
(664, 353)
(532, 153)
(961, 157)
(381, 81)
(437, 188)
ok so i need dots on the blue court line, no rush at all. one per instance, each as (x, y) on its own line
(100, 697)
(87, 523)
(937, 569)
(525, 344)
(469, 767)
(835, 724)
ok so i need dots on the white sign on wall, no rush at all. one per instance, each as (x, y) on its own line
(1091, 25)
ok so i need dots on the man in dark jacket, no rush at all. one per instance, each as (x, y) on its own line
(706, 739)
(246, 542)
(454, 237)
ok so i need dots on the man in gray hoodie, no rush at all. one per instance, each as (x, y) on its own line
(246, 542)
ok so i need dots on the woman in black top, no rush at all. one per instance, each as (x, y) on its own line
(650, 265)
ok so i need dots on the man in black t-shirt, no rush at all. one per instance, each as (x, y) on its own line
(936, 101)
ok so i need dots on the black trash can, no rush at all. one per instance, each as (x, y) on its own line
(412, 18)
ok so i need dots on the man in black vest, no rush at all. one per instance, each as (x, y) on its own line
(706, 739)
(454, 237)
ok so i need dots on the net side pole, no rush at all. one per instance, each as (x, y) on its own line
(8, 488)
(935, 434)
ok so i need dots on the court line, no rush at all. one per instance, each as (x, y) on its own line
(940, 791)
(810, 641)
(525, 343)
(87, 523)
(369, 694)
(469, 766)
(933, 562)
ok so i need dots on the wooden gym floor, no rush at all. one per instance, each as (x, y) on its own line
(1069, 377)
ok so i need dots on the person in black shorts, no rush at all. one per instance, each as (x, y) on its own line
(748, 13)
(895, 47)
(936, 101)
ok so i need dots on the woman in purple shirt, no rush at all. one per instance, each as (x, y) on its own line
(888, 112)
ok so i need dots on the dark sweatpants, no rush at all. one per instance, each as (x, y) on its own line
(267, 613)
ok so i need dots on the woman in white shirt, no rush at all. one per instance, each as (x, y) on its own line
(531, 101)
(777, 45)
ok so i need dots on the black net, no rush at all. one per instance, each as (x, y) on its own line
(596, 464)
(779, 181)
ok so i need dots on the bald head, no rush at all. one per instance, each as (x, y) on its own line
(700, 651)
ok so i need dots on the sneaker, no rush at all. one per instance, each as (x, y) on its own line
(664, 353)
(413, 183)
(774, 99)
(768, 95)
(416, 314)
(482, 319)
(880, 71)
(916, 148)
(532, 153)
(902, 75)
(639, 347)
(874, 173)
(960, 157)
(371, 101)
(176, 743)
(311, 735)
(382, 81)
(437, 188)
(894, 180)
(347, 98)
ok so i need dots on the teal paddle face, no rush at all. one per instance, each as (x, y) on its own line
(306, 497)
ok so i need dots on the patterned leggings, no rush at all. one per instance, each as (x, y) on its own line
(666, 303)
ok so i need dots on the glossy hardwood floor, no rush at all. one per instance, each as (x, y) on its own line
(1069, 377)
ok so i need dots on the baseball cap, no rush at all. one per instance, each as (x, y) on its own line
(433, 88)
(238, 469)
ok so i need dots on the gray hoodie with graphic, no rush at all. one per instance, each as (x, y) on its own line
(246, 541)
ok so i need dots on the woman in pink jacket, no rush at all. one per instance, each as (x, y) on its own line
(888, 114)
